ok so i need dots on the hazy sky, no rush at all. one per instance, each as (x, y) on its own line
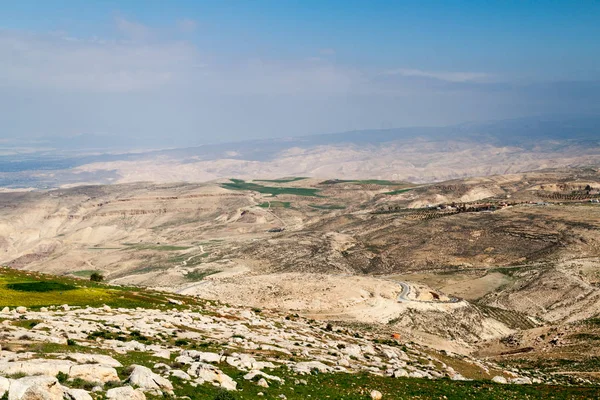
(188, 72)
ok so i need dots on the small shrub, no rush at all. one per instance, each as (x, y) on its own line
(112, 384)
(71, 342)
(62, 377)
(96, 277)
(224, 395)
(181, 342)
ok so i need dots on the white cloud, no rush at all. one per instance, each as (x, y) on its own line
(66, 63)
(61, 62)
(441, 75)
(131, 29)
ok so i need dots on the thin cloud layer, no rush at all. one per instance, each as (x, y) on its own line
(149, 83)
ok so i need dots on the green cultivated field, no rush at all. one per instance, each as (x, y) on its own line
(238, 184)
(284, 180)
(274, 204)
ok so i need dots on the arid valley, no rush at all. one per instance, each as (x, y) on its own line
(491, 273)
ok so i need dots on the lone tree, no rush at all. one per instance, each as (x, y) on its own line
(96, 277)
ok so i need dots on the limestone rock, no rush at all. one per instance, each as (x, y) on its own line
(376, 395)
(4, 385)
(125, 393)
(35, 388)
(262, 383)
(76, 394)
(147, 380)
(94, 373)
(209, 373)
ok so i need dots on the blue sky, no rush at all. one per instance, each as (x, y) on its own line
(200, 71)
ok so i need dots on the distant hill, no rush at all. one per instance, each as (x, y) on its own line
(420, 154)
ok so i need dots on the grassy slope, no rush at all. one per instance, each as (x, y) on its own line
(319, 386)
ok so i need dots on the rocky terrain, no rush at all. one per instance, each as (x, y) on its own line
(477, 278)
(175, 345)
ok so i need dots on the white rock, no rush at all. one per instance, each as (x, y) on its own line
(202, 356)
(376, 395)
(459, 377)
(210, 373)
(344, 362)
(94, 373)
(308, 366)
(262, 383)
(521, 381)
(35, 388)
(400, 373)
(186, 360)
(250, 375)
(4, 385)
(499, 379)
(147, 380)
(125, 393)
(180, 374)
(6, 310)
(83, 358)
(166, 354)
(76, 394)
(21, 310)
(66, 307)
(36, 367)
(161, 367)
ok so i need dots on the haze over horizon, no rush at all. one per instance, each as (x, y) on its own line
(206, 72)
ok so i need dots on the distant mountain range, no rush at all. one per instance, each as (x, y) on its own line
(420, 153)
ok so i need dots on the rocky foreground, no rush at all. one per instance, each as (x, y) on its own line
(81, 353)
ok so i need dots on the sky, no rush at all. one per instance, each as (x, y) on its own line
(189, 72)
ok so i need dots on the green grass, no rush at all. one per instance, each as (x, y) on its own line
(338, 386)
(327, 206)
(238, 184)
(284, 180)
(34, 290)
(399, 191)
(84, 273)
(157, 247)
(380, 182)
(200, 274)
(40, 286)
(275, 204)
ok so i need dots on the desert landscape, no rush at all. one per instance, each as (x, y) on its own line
(500, 269)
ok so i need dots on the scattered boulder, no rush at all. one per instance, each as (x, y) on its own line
(4, 385)
(83, 358)
(35, 388)
(499, 379)
(262, 383)
(376, 395)
(252, 374)
(94, 373)
(76, 394)
(125, 393)
(521, 381)
(177, 373)
(147, 380)
(209, 373)
(308, 366)
(36, 367)
(21, 310)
